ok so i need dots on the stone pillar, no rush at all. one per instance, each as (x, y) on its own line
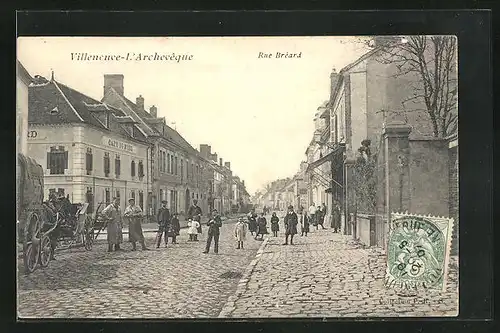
(397, 175)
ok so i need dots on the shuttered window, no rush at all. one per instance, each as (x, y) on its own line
(107, 166)
(57, 160)
(140, 170)
(89, 161)
(117, 166)
(132, 168)
(141, 200)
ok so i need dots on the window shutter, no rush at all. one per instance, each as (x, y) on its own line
(65, 159)
(48, 160)
(91, 161)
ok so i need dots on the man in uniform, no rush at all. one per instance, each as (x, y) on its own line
(291, 221)
(214, 224)
(163, 219)
(194, 210)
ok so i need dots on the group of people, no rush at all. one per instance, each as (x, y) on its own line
(168, 225)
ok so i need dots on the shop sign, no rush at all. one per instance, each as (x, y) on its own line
(117, 144)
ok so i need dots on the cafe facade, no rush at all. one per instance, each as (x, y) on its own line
(89, 150)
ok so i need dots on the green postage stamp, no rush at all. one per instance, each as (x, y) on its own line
(418, 250)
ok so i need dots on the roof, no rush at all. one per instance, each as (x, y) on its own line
(70, 106)
(147, 121)
(23, 73)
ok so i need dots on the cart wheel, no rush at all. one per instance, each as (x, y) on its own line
(31, 256)
(45, 251)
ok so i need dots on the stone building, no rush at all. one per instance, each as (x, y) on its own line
(176, 167)
(89, 150)
(23, 80)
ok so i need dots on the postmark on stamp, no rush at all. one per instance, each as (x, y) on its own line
(418, 252)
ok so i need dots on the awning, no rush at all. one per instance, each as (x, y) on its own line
(328, 157)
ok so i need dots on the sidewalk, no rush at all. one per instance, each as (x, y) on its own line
(328, 275)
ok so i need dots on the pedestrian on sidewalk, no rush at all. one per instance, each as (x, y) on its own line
(304, 223)
(275, 226)
(193, 230)
(321, 213)
(290, 225)
(133, 214)
(163, 219)
(113, 215)
(174, 229)
(214, 224)
(261, 227)
(240, 232)
(336, 217)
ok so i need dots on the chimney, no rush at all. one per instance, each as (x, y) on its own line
(114, 81)
(139, 102)
(228, 165)
(214, 157)
(206, 151)
(243, 183)
(334, 78)
(220, 161)
(153, 111)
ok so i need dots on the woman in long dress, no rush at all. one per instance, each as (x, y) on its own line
(275, 227)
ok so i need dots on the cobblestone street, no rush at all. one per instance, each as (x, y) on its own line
(322, 275)
(175, 282)
(327, 275)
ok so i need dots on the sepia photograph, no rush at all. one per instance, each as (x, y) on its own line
(237, 177)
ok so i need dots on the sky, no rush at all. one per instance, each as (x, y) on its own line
(256, 113)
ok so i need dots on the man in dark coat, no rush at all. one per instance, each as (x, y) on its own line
(336, 217)
(214, 224)
(163, 219)
(195, 213)
(291, 222)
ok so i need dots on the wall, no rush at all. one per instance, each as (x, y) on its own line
(429, 177)
(454, 195)
(21, 116)
(358, 109)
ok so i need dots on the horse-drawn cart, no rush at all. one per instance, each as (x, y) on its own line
(43, 226)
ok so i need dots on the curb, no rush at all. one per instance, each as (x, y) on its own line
(229, 307)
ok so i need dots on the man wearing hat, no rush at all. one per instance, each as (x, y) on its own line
(163, 219)
(291, 222)
(214, 223)
(133, 214)
(195, 213)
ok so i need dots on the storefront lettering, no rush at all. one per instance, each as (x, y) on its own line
(120, 145)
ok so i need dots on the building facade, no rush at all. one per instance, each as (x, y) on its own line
(90, 151)
(23, 80)
(175, 166)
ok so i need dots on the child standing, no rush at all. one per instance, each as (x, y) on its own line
(275, 227)
(174, 228)
(193, 230)
(240, 232)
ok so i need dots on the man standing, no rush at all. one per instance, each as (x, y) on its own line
(291, 222)
(214, 224)
(195, 213)
(312, 214)
(320, 219)
(114, 217)
(194, 210)
(133, 214)
(336, 217)
(163, 219)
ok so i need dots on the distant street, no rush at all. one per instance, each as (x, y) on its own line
(322, 275)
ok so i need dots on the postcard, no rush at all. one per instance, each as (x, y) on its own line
(237, 177)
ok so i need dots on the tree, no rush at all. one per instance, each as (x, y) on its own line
(364, 179)
(433, 59)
